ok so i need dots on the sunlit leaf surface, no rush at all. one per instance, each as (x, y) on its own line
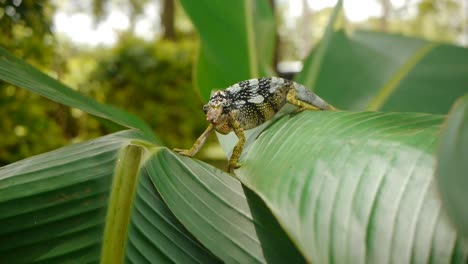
(355, 187)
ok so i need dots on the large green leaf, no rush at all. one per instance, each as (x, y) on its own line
(378, 71)
(452, 165)
(19, 73)
(54, 208)
(355, 187)
(233, 223)
(86, 202)
(236, 41)
(155, 235)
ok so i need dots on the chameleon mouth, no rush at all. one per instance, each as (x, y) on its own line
(215, 123)
(216, 120)
(212, 120)
(213, 116)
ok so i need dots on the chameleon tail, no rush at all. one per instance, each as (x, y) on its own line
(308, 96)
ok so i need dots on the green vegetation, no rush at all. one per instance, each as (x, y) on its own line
(352, 186)
(134, 71)
(452, 166)
(153, 81)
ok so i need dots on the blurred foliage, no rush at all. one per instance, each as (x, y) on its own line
(153, 81)
(150, 79)
(30, 124)
(439, 20)
(25, 27)
(436, 20)
(135, 7)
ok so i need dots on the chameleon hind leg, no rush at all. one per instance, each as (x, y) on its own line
(237, 151)
(198, 143)
(291, 98)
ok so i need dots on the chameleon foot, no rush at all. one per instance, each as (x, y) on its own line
(185, 152)
(232, 166)
(298, 110)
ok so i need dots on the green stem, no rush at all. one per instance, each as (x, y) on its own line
(120, 204)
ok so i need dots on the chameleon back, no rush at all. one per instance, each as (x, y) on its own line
(257, 100)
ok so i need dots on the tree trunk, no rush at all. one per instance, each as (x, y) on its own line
(465, 24)
(277, 40)
(167, 19)
(385, 13)
(305, 29)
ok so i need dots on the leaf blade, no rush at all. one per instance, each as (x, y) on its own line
(17, 72)
(155, 234)
(453, 164)
(386, 91)
(214, 207)
(345, 190)
(359, 66)
(58, 200)
(222, 59)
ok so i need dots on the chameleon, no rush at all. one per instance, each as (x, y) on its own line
(248, 104)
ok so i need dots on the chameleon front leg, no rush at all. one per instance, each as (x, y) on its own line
(198, 143)
(236, 152)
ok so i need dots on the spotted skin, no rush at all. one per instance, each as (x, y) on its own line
(250, 103)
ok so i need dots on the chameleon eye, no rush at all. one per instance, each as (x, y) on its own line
(205, 109)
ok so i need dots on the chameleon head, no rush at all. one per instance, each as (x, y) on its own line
(214, 109)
